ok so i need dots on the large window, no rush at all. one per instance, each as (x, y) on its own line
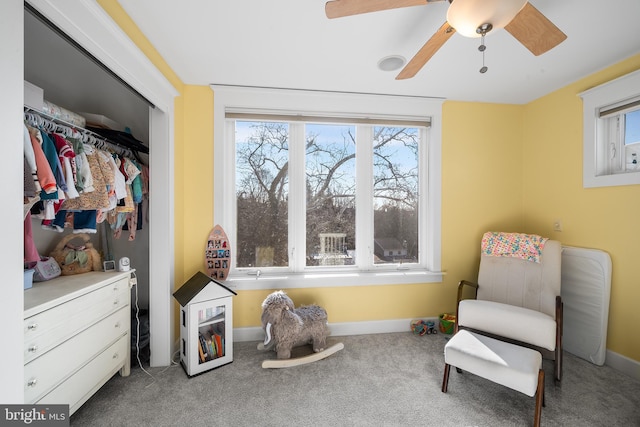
(318, 198)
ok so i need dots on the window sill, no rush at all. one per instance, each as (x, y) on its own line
(613, 179)
(331, 279)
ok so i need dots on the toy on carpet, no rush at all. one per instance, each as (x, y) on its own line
(423, 327)
(447, 323)
(287, 327)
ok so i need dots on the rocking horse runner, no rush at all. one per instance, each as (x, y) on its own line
(287, 327)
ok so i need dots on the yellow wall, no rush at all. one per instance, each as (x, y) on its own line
(481, 182)
(505, 167)
(196, 175)
(604, 218)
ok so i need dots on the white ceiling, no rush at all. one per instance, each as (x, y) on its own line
(292, 44)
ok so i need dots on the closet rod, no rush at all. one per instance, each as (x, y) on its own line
(81, 130)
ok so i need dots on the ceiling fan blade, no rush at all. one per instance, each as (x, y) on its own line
(534, 30)
(426, 52)
(340, 8)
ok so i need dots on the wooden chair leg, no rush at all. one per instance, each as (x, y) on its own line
(557, 366)
(445, 379)
(539, 399)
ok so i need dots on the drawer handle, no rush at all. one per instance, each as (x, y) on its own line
(32, 326)
(117, 324)
(115, 356)
(116, 302)
(33, 348)
(32, 382)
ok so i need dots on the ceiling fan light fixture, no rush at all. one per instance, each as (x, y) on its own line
(391, 63)
(466, 16)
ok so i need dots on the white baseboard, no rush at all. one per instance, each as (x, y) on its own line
(623, 364)
(340, 329)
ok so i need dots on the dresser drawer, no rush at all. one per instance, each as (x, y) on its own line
(78, 388)
(49, 328)
(47, 371)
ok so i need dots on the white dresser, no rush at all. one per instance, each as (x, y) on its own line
(77, 335)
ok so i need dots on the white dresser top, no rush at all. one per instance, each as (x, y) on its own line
(44, 295)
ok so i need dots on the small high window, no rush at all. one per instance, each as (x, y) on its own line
(612, 133)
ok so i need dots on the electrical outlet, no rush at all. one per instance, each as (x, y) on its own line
(557, 225)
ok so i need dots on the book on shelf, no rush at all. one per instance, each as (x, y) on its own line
(218, 340)
(202, 349)
(211, 344)
(202, 357)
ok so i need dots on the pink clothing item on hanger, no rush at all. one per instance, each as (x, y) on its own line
(31, 254)
(45, 174)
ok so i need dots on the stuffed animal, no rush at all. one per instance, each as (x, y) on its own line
(76, 259)
(287, 327)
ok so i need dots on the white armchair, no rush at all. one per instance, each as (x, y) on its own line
(516, 299)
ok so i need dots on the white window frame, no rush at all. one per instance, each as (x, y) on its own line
(595, 135)
(341, 105)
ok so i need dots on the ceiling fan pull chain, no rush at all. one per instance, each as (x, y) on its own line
(482, 48)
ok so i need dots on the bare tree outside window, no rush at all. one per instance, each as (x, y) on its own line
(331, 194)
(395, 192)
(262, 191)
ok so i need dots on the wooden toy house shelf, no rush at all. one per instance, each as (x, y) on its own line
(206, 324)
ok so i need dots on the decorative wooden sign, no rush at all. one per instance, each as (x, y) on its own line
(217, 254)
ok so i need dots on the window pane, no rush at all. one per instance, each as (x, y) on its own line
(331, 189)
(632, 127)
(262, 187)
(395, 194)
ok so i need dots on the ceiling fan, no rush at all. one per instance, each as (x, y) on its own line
(470, 18)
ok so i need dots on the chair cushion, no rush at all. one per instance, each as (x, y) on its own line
(503, 363)
(523, 283)
(509, 321)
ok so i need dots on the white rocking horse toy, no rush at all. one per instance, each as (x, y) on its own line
(287, 327)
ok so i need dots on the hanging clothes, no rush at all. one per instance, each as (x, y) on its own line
(99, 197)
(43, 169)
(51, 154)
(80, 182)
(66, 155)
(31, 168)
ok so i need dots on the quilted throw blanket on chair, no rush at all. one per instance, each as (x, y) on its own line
(524, 246)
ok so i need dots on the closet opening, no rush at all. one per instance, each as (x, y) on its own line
(80, 93)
